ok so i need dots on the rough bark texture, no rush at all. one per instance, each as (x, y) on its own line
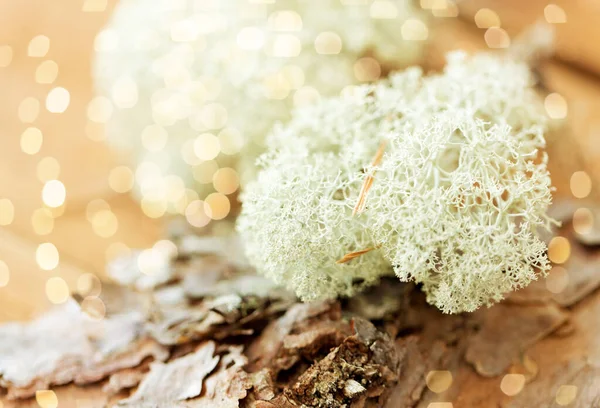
(216, 335)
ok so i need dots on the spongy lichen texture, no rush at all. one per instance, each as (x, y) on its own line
(296, 215)
(455, 204)
(178, 70)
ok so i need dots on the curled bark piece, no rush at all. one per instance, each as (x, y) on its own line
(229, 384)
(65, 346)
(127, 378)
(185, 378)
(220, 317)
(264, 350)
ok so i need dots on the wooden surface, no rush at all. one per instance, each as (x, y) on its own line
(85, 163)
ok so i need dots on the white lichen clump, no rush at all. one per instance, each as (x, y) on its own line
(197, 85)
(454, 204)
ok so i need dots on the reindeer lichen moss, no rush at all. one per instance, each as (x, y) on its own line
(454, 204)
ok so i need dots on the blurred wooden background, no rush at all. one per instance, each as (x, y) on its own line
(69, 137)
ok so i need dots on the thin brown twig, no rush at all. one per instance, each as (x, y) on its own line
(368, 183)
(348, 257)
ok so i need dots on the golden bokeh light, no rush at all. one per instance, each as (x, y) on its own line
(449, 10)
(174, 188)
(226, 180)
(88, 284)
(383, 9)
(437, 4)
(42, 221)
(117, 250)
(276, 86)
(54, 193)
(105, 223)
(231, 141)
(58, 100)
(557, 279)
(93, 307)
(556, 106)
(100, 109)
(286, 46)
(566, 394)
(196, 215)
(154, 137)
(559, 250)
(284, 21)
(583, 221)
(124, 93)
(150, 262)
(438, 381)
(496, 37)
(4, 274)
(166, 248)
(57, 212)
(186, 199)
(7, 211)
(414, 30)
(213, 116)
(38, 46)
(250, 38)
(147, 171)
(46, 256)
(29, 110)
(46, 399)
(57, 290)
(187, 153)
(217, 206)
(46, 72)
(6, 55)
(328, 43)
(121, 179)
(31, 140)
(512, 384)
(307, 95)
(554, 14)
(581, 184)
(48, 169)
(487, 18)
(153, 208)
(367, 69)
(206, 146)
(94, 6)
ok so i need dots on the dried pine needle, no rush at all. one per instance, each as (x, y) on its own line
(362, 197)
(348, 257)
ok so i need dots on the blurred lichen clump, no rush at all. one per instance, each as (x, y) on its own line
(441, 179)
(196, 85)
